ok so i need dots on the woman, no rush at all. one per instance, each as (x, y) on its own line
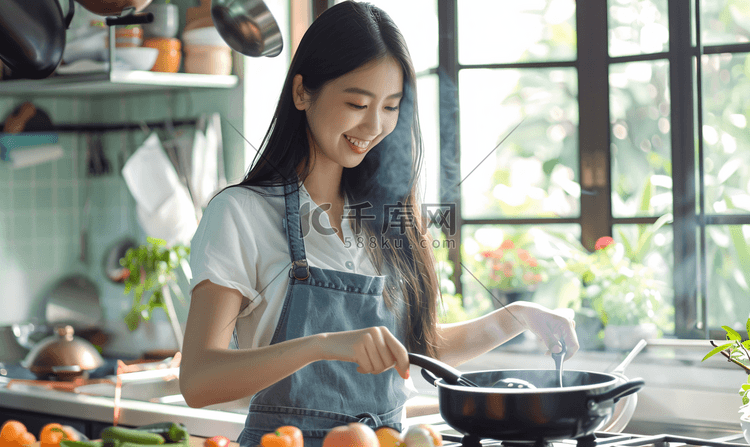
(324, 288)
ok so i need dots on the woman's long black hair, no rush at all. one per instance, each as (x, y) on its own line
(342, 39)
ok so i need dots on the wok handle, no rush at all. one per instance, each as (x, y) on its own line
(617, 392)
(440, 369)
(429, 377)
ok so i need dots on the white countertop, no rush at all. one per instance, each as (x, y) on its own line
(678, 391)
(200, 422)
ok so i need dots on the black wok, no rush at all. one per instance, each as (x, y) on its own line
(584, 405)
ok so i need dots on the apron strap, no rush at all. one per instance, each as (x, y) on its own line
(300, 270)
(373, 419)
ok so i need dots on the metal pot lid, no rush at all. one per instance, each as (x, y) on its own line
(63, 353)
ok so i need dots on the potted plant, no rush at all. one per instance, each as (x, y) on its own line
(513, 272)
(737, 351)
(611, 284)
(152, 272)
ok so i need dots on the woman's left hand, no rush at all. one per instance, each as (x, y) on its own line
(550, 326)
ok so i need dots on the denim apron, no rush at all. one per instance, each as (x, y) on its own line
(326, 394)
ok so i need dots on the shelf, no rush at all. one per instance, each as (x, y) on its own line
(117, 81)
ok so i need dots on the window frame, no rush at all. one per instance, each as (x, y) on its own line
(594, 134)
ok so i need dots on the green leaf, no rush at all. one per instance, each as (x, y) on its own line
(156, 242)
(626, 243)
(648, 189)
(717, 350)
(732, 334)
(747, 328)
(132, 320)
(644, 241)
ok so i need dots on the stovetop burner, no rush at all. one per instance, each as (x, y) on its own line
(600, 439)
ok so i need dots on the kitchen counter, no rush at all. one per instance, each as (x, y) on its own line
(680, 392)
(199, 421)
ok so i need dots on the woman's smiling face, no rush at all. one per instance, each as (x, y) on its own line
(352, 113)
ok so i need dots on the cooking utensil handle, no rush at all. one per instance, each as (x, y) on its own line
(638, 348)
(429, 377)
(618, 392)
(131, 19)
(440, 369)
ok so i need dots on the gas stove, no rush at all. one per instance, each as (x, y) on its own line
(452, 438)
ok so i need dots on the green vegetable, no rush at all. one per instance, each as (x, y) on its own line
(70, 443)
(133, 444)
(129, 435)
(171, 431)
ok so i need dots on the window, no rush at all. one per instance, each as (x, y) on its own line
(552, 127)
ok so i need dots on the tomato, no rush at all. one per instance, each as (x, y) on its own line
(216, 441)
(276, 439)
(388, 437)
(10, 434)
(355, 434)
(294, 433)
(15, 434)
(53, 433)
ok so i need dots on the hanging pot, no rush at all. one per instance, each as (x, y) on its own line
(248, 27)
(74, 300)
(63, 356)
(32, 36)
(111, 265)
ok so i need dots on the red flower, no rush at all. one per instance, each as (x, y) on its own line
(496, 254)
(604, 241)
(523, 255)
(507, 244)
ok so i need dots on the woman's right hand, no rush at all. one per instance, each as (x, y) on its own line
(374, 349)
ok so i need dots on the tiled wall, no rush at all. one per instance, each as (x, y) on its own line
(42, 207)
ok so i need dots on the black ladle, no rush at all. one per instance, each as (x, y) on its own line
(433, 369)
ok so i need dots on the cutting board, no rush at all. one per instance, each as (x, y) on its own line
(195, 441)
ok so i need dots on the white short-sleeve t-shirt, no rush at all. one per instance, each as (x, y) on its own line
(241, 243)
